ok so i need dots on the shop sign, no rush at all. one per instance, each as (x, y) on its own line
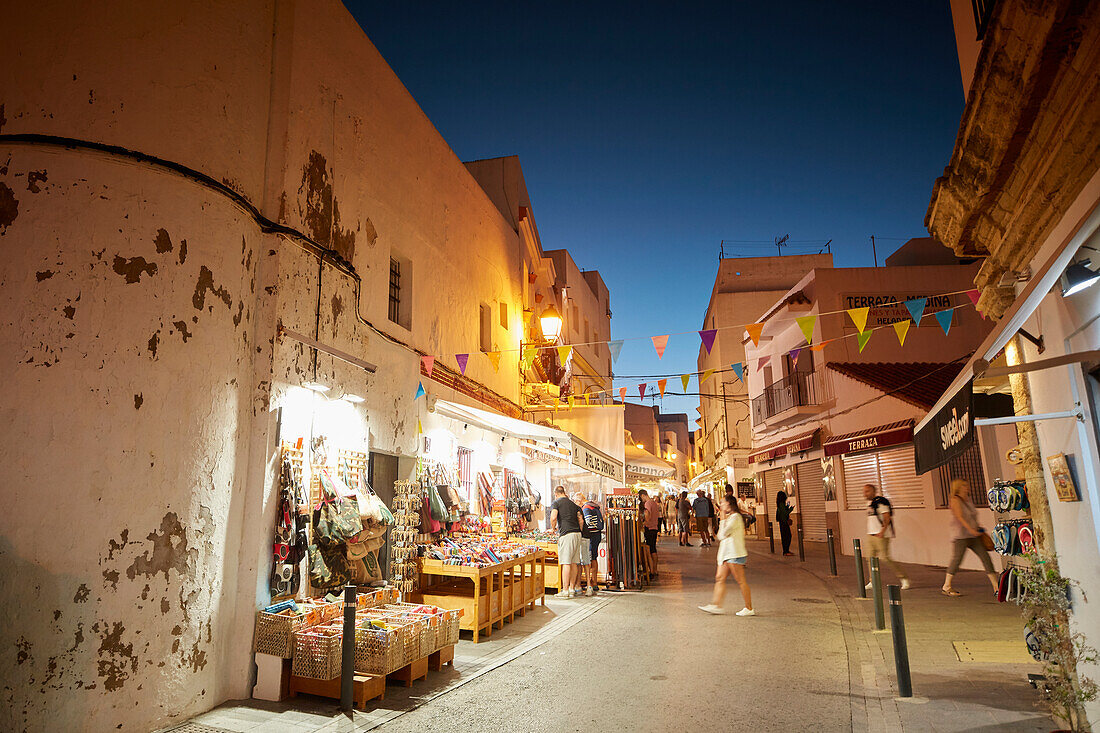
(798, 445)
(590, 459)
(889, 308)
(869, 440)
(949, 433)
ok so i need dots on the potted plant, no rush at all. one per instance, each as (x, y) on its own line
(1046, 605)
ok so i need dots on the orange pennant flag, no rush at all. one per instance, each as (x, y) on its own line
(494, 357)
(685, 378)
(859, 317)
(622, 394)
(564, 352)
(661, 383)
(901, 328)
(659, 343)
(755, 330)
(819, 347)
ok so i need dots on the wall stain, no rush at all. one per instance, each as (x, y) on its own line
(114, 656)
(138, 399)
(113, 547)
(170, 551)
(165, 606)
(33, 179)
(206, 283)
(181, 326)
(111, 576)
(240, 314)
(44, 275)
(154, 340)
(82, 594)
(132, 269)
(322, 212)
(163, 242)
(183, 250)
(78, 636)
(9, 207)
(24, 648)
(69, 311)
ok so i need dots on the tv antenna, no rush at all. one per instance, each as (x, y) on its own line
(780, 242)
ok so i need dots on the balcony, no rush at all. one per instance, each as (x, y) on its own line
(790, 399)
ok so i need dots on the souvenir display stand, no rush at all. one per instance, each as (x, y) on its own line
(547, 542)
(626, 562)
(488, 594)
(1013, 536)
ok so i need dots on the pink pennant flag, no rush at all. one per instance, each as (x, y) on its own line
(622, 394)
(641, 390)
(708, 338)
(974, 296)
(428, 362)
(462, 359)
(763, 360)
(659, 343)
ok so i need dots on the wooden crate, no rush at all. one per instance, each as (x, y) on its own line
(365, 688)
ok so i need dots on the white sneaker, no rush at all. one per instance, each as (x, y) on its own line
(869, 586)
(746, 612)
(905, 583)
(590, 592)
(711, 608)
(565, 595)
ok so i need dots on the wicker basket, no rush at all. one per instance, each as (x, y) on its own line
(317, 653)
(411, 632)
(379, 651)
(275, 631)
(449, 627)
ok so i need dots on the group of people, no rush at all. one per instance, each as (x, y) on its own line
(685, 515)
(579, 523)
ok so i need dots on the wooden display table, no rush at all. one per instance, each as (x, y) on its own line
(488, 596)
(366, 687)
(437, 659)
(410, 673)
(552, 576)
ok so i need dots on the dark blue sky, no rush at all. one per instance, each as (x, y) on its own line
(649, 132)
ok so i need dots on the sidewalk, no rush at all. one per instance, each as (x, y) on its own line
(949, 694)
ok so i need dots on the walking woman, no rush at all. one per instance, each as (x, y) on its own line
(783, 519)
(732, 558)
(967, 534)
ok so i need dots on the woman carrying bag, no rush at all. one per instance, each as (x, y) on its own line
(967, 535)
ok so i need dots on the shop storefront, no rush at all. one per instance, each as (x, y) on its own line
(799, 474)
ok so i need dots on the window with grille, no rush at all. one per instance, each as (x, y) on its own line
(967, 465)
(395, 291)
(892, 471)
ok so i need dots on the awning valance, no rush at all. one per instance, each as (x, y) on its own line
(641, 462)
(882, 436)
(796, 444)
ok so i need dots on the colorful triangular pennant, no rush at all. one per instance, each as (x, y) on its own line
(419, 391)
(685, 378)
(564, 352)
(806, 323)
(820, 346)
(641, 390)
(462, 359)
(863, 337)
(974, 295)
(739, 370)
(622, 394)
(859, 317)
(706, 375)
(494, 357)
(659, 343)
(901, 328)
(572, 400)
(614, 347)
(794, 355)
(915, 306)
(708, 338)
(755, 329)
(944, 317)
(428, 362)
(661, 384)
(529, 353)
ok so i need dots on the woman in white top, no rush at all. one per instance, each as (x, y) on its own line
(732, 558)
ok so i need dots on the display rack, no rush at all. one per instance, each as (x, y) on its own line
(1013, 534)
(626, 564)
(404, 535)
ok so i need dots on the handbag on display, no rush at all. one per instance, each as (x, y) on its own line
(438, 508)
(428, 523)
(335, 520)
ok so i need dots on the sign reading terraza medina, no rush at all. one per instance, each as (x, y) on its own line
(889, 308)
(949, 433)
(596, 461)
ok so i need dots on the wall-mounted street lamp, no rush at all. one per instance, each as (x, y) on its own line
(550, 320)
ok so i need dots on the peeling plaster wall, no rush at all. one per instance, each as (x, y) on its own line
(128, 405)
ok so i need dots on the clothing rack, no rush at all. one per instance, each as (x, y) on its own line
(625, 566)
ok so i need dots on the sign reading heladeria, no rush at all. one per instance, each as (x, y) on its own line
(889, 308)
(949, 433)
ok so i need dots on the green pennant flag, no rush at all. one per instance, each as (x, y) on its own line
(863, 337)
(806, 323)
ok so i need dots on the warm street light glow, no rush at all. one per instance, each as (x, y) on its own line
(639, 446)
(354, 398)
(672, 456)
(315, 386)
(551, 323)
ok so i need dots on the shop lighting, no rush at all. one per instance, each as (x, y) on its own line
(672, 456)
(639, 446)
(551, 323)
(315, 386)
(1078, 277)
(353, 398)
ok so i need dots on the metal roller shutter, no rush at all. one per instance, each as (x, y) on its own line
(811, 499)
(860, 469)
(773, 483)
(900, 483)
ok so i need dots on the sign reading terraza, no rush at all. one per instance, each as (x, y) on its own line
(596, 461)
(949, 433)
(889, 308)
(881, 437)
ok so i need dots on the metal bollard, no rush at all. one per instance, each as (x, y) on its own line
(876, 590)
(860, 581)
(901, 650)
(347, 648)
(771, 538)
(801, 548)
(832, 552)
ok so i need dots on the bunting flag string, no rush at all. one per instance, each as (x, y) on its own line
(659, 343)
(901, 328)
(863, 337)
(462, 359)
(708, 338)
(738, 369)
(806, 323)
(615, 347)
(564, 353)
(794, 355)
(429, 363)
(975, 296)
(622, 394)
(661, 384)
(706, 375)
(755, 329)
(944, 318)
(859, 317)
(685, 378)
(915, 306)
(494, 357)
(419, 391)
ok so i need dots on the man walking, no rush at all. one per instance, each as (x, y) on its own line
(880, 530)
(701, 506)
(565, 516)
(652, 516)
(683, 519)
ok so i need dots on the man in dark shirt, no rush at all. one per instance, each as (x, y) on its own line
(565, 516)
(702, 516)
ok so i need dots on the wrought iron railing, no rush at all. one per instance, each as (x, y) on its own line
(795, 390)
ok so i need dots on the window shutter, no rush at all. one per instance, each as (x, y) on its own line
(900, 483)
(859, 469)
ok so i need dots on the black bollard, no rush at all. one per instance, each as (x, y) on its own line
(860, 581)
(901, 650)
(771, 538)
(832, 552)
(347, 661)
(801, 548)
(876, 590)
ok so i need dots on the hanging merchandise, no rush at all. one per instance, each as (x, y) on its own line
(625, 568)
(336, 519)
(291, 541)
(407, 506)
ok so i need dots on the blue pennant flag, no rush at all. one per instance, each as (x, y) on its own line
(944, 317)
(739, 370)
(916, 308)
(614, 347)
(419, 391)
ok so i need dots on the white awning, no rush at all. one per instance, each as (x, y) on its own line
(508, 427)
(643, 463)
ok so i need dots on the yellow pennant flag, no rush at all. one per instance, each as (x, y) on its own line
(529, 353)
(419, 427)
(572, 400)
(863, 338)
(901, 328)
(859, 317)
(494, 357)
(564, 352)
(755, 329)
(806, 323)
(661, 383)
(706, 375)
(685, 378)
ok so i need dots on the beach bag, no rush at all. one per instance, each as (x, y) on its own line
(336, 520)
(437, 507)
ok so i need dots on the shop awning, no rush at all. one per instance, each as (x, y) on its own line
(796, 444)
(508, 427)
(642, 463)
(881, 436)
(715, 474)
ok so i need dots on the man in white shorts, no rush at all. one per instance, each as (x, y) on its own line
(565, 516)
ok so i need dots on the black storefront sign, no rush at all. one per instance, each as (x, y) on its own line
(949, 433)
